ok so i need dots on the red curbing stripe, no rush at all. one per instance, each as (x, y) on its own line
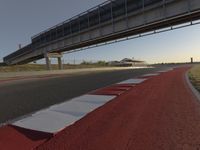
(112, 90)
(12, 137)
(124, 85)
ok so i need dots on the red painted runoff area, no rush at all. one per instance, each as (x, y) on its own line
(15, 138)
(159, 114)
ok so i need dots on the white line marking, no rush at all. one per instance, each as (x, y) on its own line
(150, 74)
(48, 121)
(96, 99)
(75, 108)
(132, 81)
(59, 116)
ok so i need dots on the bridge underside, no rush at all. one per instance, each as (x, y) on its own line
(31, 59)
(156, 15)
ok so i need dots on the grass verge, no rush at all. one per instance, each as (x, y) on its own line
(194, 76)
(42, 67)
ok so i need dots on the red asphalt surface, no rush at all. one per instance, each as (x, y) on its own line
(161, 113)
(15, 138)
(112, 90)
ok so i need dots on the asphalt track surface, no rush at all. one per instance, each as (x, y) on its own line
(18, 98)
(161, 113)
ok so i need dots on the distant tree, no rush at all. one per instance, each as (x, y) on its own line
(86, 63)
(102, 63)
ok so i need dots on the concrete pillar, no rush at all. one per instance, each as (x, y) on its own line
(48, 63)
(53, 55)
(60, 65)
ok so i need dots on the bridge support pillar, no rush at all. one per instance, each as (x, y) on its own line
(48, 63)
(60, 65)
(53, 55)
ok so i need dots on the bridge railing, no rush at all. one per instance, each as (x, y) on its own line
(98, 15)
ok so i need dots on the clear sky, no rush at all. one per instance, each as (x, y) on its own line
(21, 19)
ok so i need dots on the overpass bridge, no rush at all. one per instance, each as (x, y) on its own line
(111, 20)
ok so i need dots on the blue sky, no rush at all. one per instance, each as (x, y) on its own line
(22, 19)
